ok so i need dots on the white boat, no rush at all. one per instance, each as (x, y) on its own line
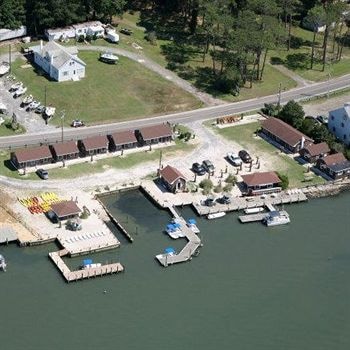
(253, 210)
(90, 266)
(50, 111)
(191, 223)
(19, 92)
(108, 57)
(276, 217)
(216, 215)
(16, 86)
(28, 99)
(2, 263)
(4, 68)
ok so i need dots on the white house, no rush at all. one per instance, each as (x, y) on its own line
(60, 33)
(339, 123)
(60, 63)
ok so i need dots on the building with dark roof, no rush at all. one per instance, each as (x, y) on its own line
(261, 183)
(93, 145)
(154, 134)
(65, 210)
(122, 140)
(314, 151)
(64, 151)
(288, 137)
(336, 166)
(173, 179)
(30, 157)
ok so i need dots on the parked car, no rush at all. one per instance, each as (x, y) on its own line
(245, 156)
(224, 200)
(198, 169)
(40, 109)
(43, 174)
(209, 202)
(208, 166)
(125, 31)
(51, 216)
(77, 123)
(234, 159)
(323, 119)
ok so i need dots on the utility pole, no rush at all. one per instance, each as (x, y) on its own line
(45, 95)
(62, 120)
(160, 160)
(10, 58)
(279, 96)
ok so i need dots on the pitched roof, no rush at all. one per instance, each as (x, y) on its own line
(64, 148)
(265, 178)
(315, 149)
(171, 174)
(124, 137)
(340, 166)
(65, 208)
(155, 131)
(283, 131)
(334, 159)
(32, 154)
(95, 142)
(341, 112)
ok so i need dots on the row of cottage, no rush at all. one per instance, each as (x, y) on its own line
(336, 166)
(90, 146)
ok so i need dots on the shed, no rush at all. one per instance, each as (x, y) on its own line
(65, 210)
(122, 140)
(93, 145)
(154, 134)
(173, 179)
(65, 151)
(314, 151)
(30, 157)
(260, 183)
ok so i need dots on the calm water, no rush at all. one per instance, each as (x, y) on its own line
(250, 288)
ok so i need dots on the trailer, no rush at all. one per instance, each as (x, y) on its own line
(8, 34)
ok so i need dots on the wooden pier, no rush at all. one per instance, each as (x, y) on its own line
(252, 218)
(77, 275)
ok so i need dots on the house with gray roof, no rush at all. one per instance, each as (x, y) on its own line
(60, 63)
(339, 123)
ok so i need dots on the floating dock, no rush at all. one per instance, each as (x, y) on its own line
(77, 275)
(252, 217)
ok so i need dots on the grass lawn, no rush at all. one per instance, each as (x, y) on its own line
(244, 135)
(108, 93)
(5, 131)
(99, 166)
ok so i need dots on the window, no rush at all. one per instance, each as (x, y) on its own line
(65, 73)
(344, 137)
(71, 63)
(333, 129)
(332, 117)
(342, 125)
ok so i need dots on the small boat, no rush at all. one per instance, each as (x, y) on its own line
(19, 92)
(276, 217)
(192, 224)
(108, 57)
(88, 264)
(2, 263)
(216, 215)
(28, 99)
(4, 68)
(174, 231)
(49, 111)
(16, 86)
(253, 210)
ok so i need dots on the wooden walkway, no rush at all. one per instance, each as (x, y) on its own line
(77, 275)
(190, 249)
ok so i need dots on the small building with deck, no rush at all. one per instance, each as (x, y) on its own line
(172, 179)
(93, 145)
(336, 166)
(291, 139)
(314, 151)
(64, 151)
(154, 134)
(260, 183)
(30, 157)
(65, 210)
(122, 140)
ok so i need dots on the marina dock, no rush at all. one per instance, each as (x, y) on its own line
(77, 275)
(252, 217)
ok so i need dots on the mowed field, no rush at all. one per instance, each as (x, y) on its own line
(108, 93)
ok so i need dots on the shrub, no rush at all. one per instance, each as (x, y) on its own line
(206, 184)
(284, 181)
(218, 189)
(81, 38)
(231, 179)
(88, 38)
(228, 187)
(152, 38)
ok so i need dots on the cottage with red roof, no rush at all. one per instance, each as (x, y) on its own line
(30, 157)
(122, 140)
(93, 145)
(261, 183)
(314, 151)
(336, 166)
(64, 151)
(154, 134)
(172, 179)
(288, 137)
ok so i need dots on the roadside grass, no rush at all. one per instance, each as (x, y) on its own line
(7, 131)
(108, 93)
(118, 162)
(244, 135)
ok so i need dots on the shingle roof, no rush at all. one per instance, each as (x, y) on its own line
(171, 174)
(334, 159)
(64, 148)
(95, 142)
(315, 149)
(265, 178)
(65, 208)
(340, 166)
(33, 154)
(156, 131)
(283, 131)
(124, 137)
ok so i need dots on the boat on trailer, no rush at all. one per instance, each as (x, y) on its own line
(108, 57)
(216, 215)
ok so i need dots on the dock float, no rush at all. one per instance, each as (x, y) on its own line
(252, 217)
(78, 275)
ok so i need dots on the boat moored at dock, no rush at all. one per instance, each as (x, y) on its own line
(253, 210)
(192, 224)
(276, 217)
(216, 215)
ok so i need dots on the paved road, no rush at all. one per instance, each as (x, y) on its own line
(183, 117)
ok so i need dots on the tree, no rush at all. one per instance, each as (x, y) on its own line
(106, 9)
(284, 180)
(293, 114)
(12, 14)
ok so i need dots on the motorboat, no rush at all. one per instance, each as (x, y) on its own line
(4, 68)
(2, 263)
(253, 210)
(16, 86)
(192, 224)
(88, 264)
(33, 105)
(108, 57)
(49, 111)
(19, 92)
(216, 215)
(276, 217)
(28, 99)
(174, 231)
